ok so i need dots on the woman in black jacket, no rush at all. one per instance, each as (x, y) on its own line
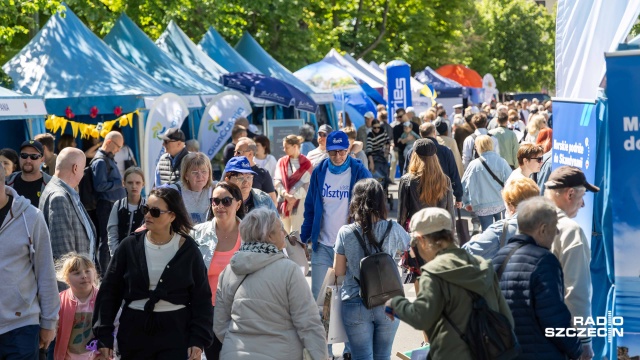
(161, 277)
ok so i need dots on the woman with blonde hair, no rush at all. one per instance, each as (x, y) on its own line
(195, 185)
(291, 181)
(483, 181)
(424, 185)
(496, 236)
(537, 122)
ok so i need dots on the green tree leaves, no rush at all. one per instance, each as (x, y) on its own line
(512, 39)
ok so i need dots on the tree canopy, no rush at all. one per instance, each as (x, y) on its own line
(512, 39)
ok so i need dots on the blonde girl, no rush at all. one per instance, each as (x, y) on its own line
(76, 307)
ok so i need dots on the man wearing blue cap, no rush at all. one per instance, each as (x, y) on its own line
(238, 171)
(326, 207)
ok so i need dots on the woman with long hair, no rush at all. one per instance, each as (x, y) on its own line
(424, 185)
(263, 157)
(537, 122)
(195, 185)
(158, 278)
(369, 332)
(291, 181)
(219, 239)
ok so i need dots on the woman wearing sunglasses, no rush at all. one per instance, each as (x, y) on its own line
(291, 181)
(195, 185)
(529, 161)
(219, 239)
(160, 276)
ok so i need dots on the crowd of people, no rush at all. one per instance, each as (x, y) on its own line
(93, 269)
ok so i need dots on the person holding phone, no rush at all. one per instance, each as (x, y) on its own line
(218, 239)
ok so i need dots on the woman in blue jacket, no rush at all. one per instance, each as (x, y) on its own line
(483, 181)
(326, 207)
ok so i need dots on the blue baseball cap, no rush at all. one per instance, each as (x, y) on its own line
(337, 140)
(239, 164)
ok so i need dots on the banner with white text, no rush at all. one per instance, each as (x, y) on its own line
(623, 91)
(398, 85)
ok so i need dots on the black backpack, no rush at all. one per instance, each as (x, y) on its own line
(379, 277)
(87, 193)
(489, 334)
(474, 152)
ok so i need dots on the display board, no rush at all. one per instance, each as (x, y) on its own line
(277, 130)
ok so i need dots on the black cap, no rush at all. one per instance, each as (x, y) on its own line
(569, 176)
(173, 134)
(424, 147)
(34, 144)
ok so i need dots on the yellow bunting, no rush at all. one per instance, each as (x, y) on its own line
(55, 123)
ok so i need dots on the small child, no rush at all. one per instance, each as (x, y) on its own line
(126, 215)
(408, 137)
(76, 307)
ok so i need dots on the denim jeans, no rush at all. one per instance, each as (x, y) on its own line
(21, 343)
(486, 221)
(370, 331)
(321, 261)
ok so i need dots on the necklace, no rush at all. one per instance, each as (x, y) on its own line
(157, 243)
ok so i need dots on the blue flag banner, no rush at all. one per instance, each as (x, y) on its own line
(623, 91)
(398, 86)
(575, 144)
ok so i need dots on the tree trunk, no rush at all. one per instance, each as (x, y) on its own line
(380, 36)
(354, 35)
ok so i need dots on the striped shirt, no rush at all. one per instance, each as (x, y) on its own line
(375, 142)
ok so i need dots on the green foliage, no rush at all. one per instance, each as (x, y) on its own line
(515, 41)
(512, 39)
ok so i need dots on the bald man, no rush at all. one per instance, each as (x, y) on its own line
(68, 221)
(108, 187)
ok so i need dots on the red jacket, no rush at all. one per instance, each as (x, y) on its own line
(68, 305)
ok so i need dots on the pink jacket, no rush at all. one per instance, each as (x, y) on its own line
(68, 305)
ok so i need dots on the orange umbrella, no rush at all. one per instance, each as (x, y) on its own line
(461, 74)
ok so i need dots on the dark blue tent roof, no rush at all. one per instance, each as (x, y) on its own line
(70, 66)
(224, 54)
(443, 86)
(132, 43)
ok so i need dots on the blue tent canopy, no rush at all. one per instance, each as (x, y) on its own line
(28, 110)
(177, 44)
(132, 43)
(328, 77)
(70, 66)
(443, 86)
(224, 54)
(354, 69)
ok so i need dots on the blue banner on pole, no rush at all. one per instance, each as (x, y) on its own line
(575, 144)
(623, 92)
(398, 85)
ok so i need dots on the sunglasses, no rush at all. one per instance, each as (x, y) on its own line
(33, 157)
(376, 128)
(154, 211)
(538, 159)
(240, 152)
(322, 134)
(338, 152)
(225, 201)
(242, 179)
(168, 141)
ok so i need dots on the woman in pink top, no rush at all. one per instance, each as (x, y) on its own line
(219, 239)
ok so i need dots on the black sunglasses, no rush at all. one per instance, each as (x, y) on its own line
(538, 159)
(33, 157)
(154, 211)
(226, 201)
(376, 127)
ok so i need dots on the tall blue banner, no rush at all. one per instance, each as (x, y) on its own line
(398, 86)
(623, 91)
(575, 144)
